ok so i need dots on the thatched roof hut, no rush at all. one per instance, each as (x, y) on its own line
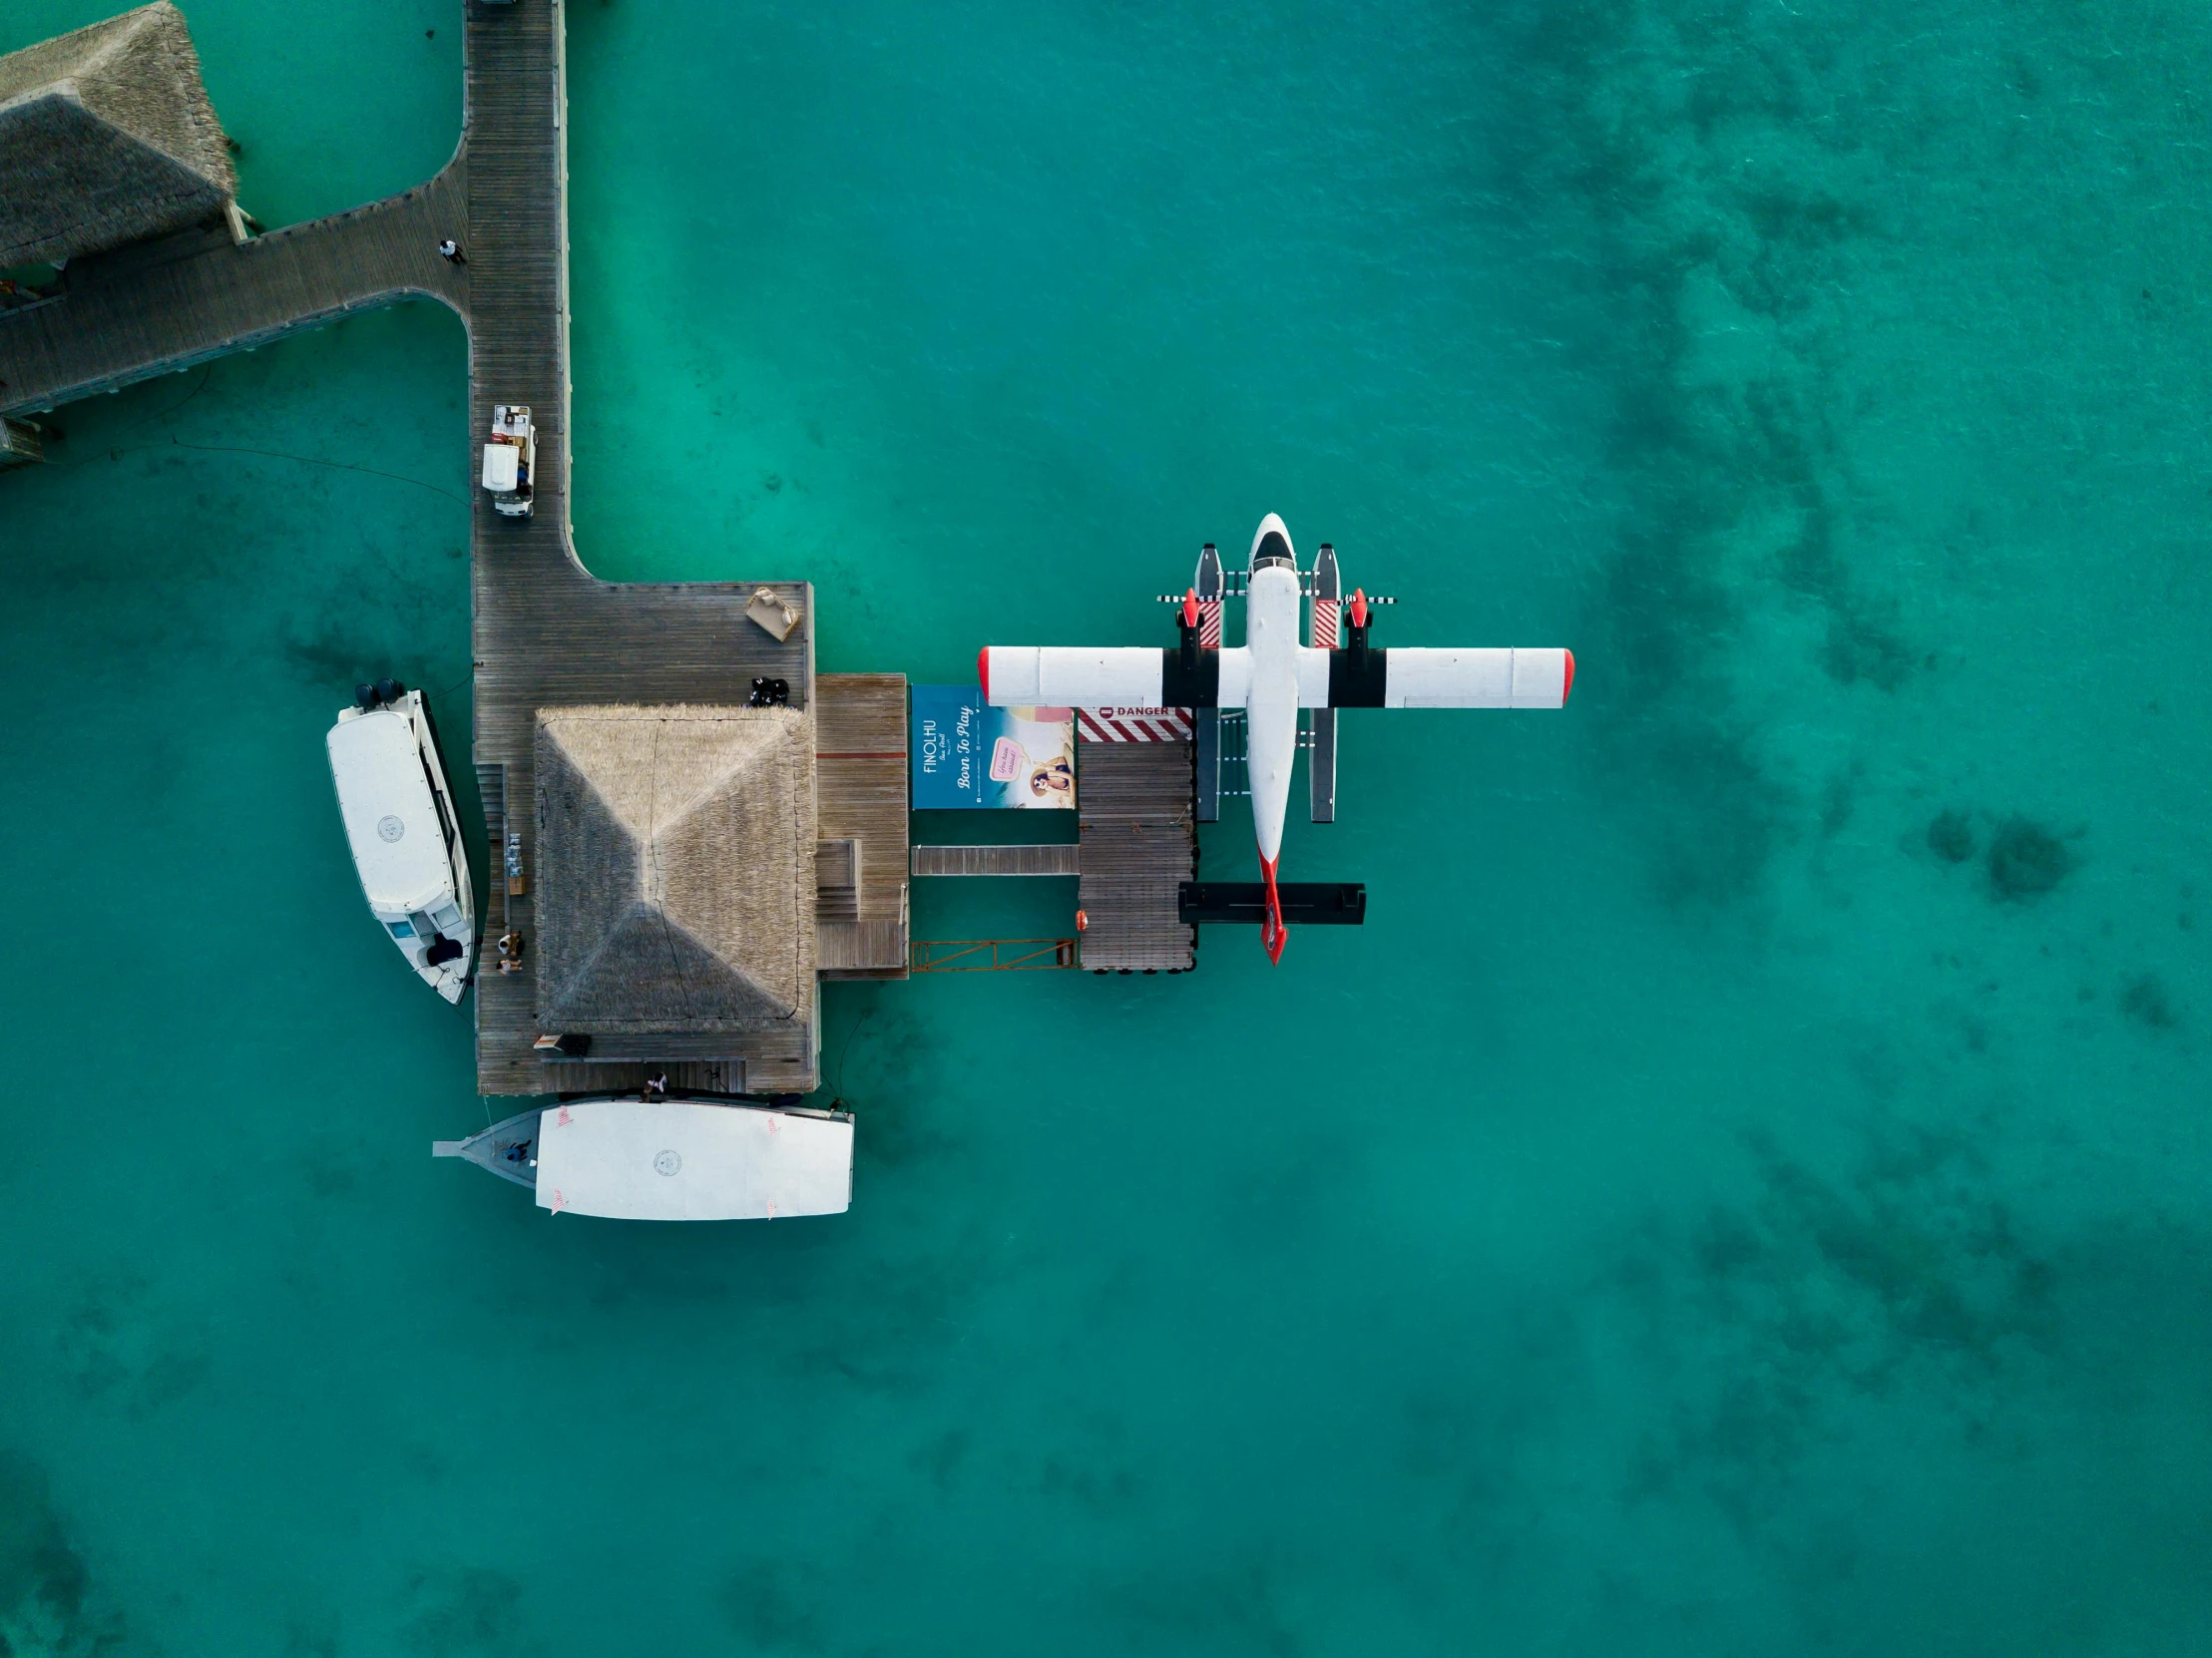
(674, 870)
(107, 137)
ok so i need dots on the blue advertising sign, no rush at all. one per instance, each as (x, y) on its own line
(968, 754)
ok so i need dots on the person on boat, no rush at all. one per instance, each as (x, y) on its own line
(657, 1088)
(519, 1151)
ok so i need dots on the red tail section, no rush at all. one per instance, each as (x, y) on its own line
(1273, 934)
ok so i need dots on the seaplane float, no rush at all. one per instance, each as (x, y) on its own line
(1286, 693)
(405, 834)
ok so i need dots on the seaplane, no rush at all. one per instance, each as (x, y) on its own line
(1278, 684)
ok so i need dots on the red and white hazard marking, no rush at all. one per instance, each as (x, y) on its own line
(1134, 725)
(1324, 624)
(1210, 624)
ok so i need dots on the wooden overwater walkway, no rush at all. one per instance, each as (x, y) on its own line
(547, 633)
(162, 306)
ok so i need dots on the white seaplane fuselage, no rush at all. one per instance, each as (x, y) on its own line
(1283, 676)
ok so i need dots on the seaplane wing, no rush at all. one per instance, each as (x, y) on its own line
(1504, 676)
(1272, 677)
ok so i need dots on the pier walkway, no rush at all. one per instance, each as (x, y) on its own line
(161, 308)
(547, 633)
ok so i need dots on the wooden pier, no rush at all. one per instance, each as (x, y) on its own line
(161, 308)
(1137, 806)
(546, 633)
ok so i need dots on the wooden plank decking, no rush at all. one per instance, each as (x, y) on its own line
(1136, 807)
(1063, 858)
(547, 632)
(161, 308)
(860, 791)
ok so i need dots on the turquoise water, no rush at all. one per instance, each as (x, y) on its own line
(1742, 1192)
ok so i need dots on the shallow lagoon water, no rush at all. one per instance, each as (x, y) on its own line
(1743, 1191)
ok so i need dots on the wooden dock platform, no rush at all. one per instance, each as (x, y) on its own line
(1137, 806)
(860, 770)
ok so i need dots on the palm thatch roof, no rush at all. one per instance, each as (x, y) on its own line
(674, 869)
(107, 137)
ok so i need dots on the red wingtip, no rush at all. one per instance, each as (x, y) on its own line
(983, 673)
(1273, 934)
(1567, 689)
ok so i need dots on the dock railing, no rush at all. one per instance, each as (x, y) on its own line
(989, 954)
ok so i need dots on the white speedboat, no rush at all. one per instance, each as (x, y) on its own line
(405, 833)
(630, 1158)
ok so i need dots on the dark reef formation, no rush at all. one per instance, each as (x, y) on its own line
(2026, 860)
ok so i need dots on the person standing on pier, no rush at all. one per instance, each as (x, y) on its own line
(450, 252)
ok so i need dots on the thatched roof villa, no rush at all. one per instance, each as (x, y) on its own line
(107, 137)
(676, 879)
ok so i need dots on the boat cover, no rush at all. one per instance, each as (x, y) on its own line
(391, 821)
(633, 1159)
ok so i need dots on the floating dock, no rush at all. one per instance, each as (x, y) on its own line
(1136, 809)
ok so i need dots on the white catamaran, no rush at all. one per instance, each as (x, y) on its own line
(404, 832)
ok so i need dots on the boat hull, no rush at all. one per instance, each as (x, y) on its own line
(404, 829)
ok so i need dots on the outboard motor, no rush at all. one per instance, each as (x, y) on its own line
(390, 690)
(364, 698)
